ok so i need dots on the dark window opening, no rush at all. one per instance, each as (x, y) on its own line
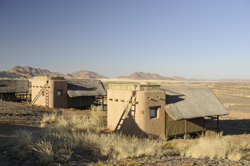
(59, 93)
(153, 112)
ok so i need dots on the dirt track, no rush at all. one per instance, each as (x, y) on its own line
(14, 116)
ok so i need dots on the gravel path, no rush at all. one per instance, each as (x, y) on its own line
(14, 116)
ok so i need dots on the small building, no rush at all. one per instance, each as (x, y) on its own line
(50, 92)
(56, 92)
(187, 108)
(9, 88)
(83, 92)
(147, 115)
(162, 112)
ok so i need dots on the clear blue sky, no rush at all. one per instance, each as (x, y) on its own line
(188, 38)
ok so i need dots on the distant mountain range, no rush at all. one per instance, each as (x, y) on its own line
(29, 72)
(152, 76)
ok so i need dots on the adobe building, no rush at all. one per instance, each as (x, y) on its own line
(56, 92)
(50, 92)
(162, 112)
(10, 88)
(147, 116)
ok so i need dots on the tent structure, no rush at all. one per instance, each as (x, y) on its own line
(168, 111)
(85, 87)
(9, 88)
(186, 108)
(82, 92)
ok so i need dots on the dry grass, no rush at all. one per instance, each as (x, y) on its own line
(99, 116)
(57, 145)
(65, 137)
(21, 143)
(74, 136)
(219, 147)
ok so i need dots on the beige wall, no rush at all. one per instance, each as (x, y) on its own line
(138, 122)
(54, 86)
(36, 87)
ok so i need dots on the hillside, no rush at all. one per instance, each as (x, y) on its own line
(150, 76)
(85, 74)
(29, 72)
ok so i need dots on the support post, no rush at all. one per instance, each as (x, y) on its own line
(185, 136)
(80, 102)
(217, 124)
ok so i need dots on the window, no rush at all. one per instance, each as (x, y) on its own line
(59, 93)
(153, 112)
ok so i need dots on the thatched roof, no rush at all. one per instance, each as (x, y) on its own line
(14, 86)
(85, 87)
(192, 102)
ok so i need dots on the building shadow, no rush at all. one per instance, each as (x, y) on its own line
(131, 128)
(234, 127)
(8, 131)
(171, 99)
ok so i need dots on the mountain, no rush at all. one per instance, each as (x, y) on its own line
(4, 74)
(145, 76)
(152, 76)
(85, 74)
(176, 78)
(29, 72)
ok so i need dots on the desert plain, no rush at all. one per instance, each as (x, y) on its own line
(235, 96)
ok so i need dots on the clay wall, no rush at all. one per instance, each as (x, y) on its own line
(57, 92)
(139, 122)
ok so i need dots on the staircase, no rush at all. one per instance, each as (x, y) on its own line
(39, 94)
(47, 97)
(125, 113)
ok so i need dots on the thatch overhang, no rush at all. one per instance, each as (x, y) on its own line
(14, 86)
(192, 102)
(85, 87)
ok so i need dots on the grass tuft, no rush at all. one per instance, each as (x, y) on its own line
(68, 137)
(44, 151)
(21, 143)
(77, 136)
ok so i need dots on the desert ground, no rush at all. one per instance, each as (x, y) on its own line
(235, 96)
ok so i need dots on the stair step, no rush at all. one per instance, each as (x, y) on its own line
(126, 111)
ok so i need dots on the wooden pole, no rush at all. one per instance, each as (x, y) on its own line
(217, 124)
(80, 102)
(185, 136)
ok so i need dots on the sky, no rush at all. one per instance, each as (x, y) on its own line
(186, 38)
